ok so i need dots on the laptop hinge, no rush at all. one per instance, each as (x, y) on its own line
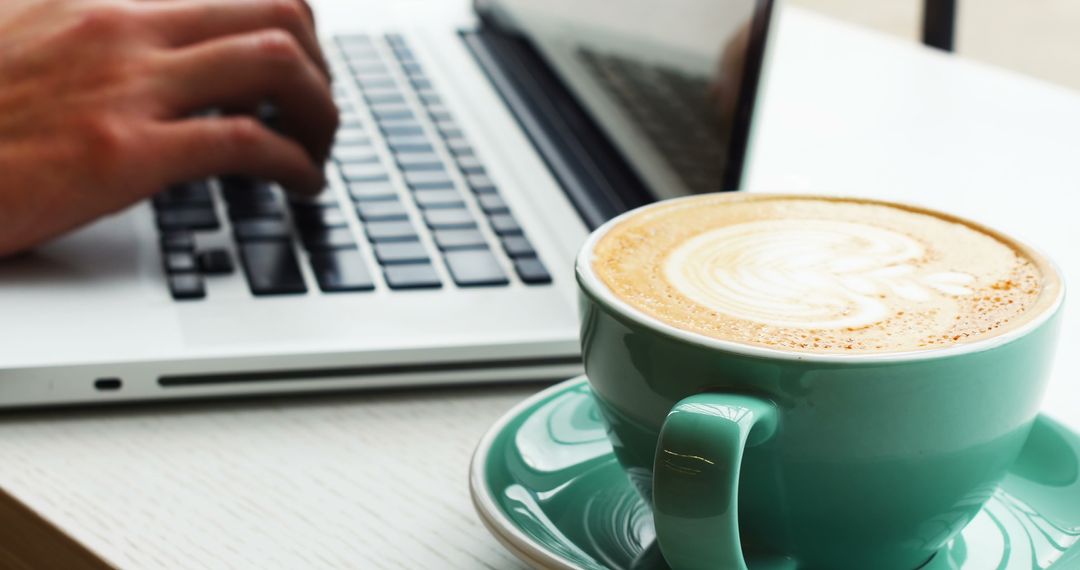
(598, 180)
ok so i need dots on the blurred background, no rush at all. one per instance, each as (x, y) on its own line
(1036, 37)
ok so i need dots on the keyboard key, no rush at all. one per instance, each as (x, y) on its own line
(380, 190)
(412, 276)
(409, 143)
(439, 112)
(271, 268)
(371, 82)
(401, 127)
(249, 210)
(388, 112)
(470, 165)
(363, 172)
(350, 121)
(368, 66)
(428, 179)
(492, 204)
(459, 146)
(390, 231)
(341, 270)
(403, 53)
(187, 194)
(186, 286)
(241, 190)
(449, 240)
(179, 261)
(187, 219)
(449, 218)
(319, 217)
(260, 229)
(438, 115)
(215, 262)
(383, 111)
(419, 161)
(354, 40)
(504, 224)
(475, 268)
(438, 199)
(518, 246)
(377, 92)
(400, 252)
(381, 211)
(411, 68)
(480, 183)
(177, 241)
(355, 154)
(428, 98)
(383, 98)
(421, 83)
(448, 133)
(351, 137)
(328, 238)
(360, 52)
(531, 271)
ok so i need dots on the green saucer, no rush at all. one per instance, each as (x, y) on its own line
(545, 482)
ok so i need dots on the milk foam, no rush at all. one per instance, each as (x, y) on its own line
(818, 274)
(813, 274)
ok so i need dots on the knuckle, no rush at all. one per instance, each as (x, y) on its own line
(105, 21)
(242, 132)
(279, 47)
(286, 11)
(107, 145)
(107, 135)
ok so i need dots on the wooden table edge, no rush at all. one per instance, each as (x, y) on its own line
(30, 541)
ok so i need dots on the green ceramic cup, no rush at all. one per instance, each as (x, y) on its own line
(869, 461)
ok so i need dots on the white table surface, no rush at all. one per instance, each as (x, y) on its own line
(379, 480)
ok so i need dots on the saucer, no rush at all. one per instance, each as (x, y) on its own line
(545, 482)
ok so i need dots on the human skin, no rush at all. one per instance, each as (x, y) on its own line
(101, 104)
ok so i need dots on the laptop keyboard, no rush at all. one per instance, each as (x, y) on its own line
(417, 198)
(674, 110)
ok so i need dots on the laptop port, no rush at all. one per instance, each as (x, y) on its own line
(108, 384)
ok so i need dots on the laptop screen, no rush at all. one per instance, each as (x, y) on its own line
(672, 84)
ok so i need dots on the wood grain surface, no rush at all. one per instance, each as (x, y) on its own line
(349, 481)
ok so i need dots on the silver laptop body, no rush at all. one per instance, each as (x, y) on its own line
(490, 139)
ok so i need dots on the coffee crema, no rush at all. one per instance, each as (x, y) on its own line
(819, 275)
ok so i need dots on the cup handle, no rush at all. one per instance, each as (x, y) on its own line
(696, 477)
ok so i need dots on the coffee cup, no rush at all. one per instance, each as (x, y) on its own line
(837, 383)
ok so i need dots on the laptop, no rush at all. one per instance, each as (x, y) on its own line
(478, 147)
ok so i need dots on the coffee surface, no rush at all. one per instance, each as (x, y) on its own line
(818, 275)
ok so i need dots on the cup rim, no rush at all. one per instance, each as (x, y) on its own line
(591, 285)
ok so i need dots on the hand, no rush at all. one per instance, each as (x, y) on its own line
(98, 103)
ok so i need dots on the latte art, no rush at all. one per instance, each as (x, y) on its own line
(814, 274)
(819, 274)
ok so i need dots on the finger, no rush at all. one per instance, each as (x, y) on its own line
(186, 22)
(208, 146)
(308, 11)
(242, 72)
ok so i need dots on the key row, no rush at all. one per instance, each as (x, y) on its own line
(443, 210)
(526, 262)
